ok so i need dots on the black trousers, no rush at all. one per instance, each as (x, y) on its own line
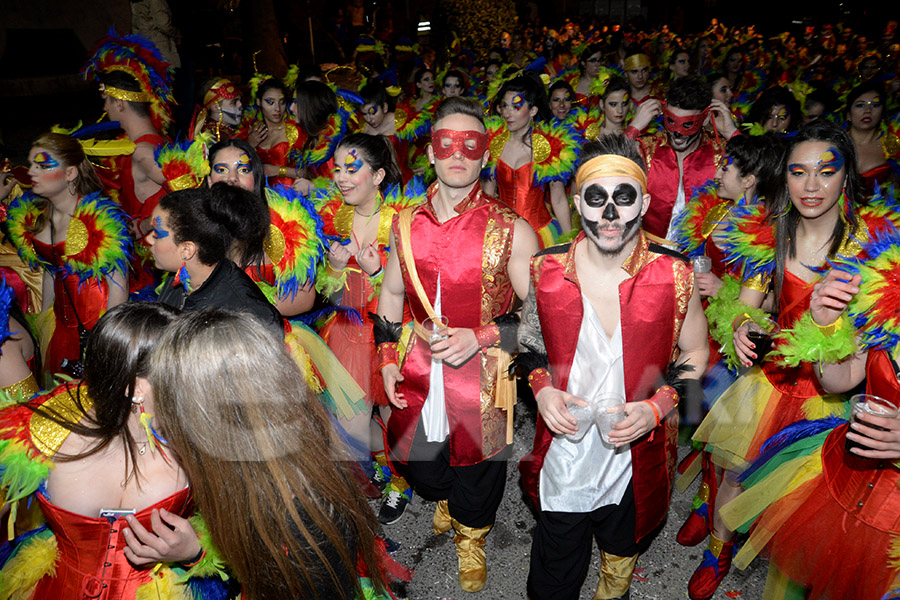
(561, 548)
(474, 492)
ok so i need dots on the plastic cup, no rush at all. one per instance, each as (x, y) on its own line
(609, 409)
(873, 405)
(436, 327)
(762, 334)
(585, 417)
(702, 264)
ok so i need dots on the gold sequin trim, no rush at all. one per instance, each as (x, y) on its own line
(890, 143)
(759, 283)
(274, 245)
(399, 118)
(183, 182)
(343, 220)
(76, 237)
(48, 436)
(851, 245)
(592, 132)
(713, 217)
(291, 133)
(22, 390)
(498, 144)
(384, 226)
(703, 494)
(684, 287)
(540, 148)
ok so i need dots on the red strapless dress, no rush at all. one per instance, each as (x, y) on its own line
(277, 155)
(516, 189)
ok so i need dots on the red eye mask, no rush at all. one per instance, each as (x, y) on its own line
(458, 141)
(686, 126)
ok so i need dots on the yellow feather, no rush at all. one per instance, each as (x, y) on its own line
(108, 147)
(163, 586)
(894, 553)
(32, 563)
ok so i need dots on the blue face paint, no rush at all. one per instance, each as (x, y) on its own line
(352, 162)
(45, 161)
(158, 230)
(831, 161)
(517, 101)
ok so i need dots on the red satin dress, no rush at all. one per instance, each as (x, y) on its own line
(92, 563)
(516, 189)
(89, 297)
(837, 541)
(277, 155)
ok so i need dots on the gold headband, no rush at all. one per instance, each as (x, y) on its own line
(636, 61)
(125, 95)
(610, 165)
(223, 89)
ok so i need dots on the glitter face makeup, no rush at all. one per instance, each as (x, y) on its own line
(158, 230)
(45, 161)
(517, 101)
(352, 162)
(446, 142)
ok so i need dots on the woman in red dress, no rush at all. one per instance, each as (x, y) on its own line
(274, 133)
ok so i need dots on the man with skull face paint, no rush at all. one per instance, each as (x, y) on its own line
(683, 156)
(463, 255)
(633, 305)
(220, 110)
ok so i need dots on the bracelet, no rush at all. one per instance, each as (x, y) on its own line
(194, 561)
(377, 273)
(656, 413)
(332, 271)
(487, 335)
(282, 171)
(386, 363)
(387, 352)
(830, 329)
(735, 325)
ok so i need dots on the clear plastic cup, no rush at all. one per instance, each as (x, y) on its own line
(436, 327)
(585, 417)
(702, 264)
(609, 409)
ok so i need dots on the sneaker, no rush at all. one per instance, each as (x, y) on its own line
(394, 506)
(381, 477)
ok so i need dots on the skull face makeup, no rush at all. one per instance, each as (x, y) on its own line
(611, 209)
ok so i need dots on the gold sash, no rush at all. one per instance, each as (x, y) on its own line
(504, 385)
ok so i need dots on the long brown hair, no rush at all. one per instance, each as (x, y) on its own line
(70, 154)
(267, 473)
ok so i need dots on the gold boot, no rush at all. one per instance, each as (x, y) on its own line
(615, 576)
(441, 523)
(470, 551)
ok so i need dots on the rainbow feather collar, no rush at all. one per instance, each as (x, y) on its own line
(748, 242)
(97, 243)
(701, 214)
(328, 140)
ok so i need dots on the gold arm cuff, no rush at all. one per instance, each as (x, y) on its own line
(759, 283)
(830, 329)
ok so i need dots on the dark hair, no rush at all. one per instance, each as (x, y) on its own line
(272, 83)
(561, 84)
(689, 93)
(529, 85)
(124, 81)
(825, 96)
(775, 96)
(378, 151)
(316, 102)
(819, 130)
(675, 52)
(616, 84)
(864, 88)
(587, 53)
(420, 73)
(731, 52)
(118, 351)
(375, 93)
(761, 156)
(256, 166)
(191, 219)
(459, 75)
(245, 216)
(459, 106)
(634, 50)
(612, 143)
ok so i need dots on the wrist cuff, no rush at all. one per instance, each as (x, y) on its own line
(487, 335)
(539, 379)
(666, 399)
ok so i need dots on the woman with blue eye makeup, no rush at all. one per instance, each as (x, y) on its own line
(531, 157)
(874, 144)
(274, 132)
(77, 238)
(778, 249)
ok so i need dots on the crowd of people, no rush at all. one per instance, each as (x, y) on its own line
(323, 294)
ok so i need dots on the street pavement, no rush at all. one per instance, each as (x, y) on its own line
(662, 572)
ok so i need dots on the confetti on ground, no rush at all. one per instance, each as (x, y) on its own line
(638, 577)
(733, 594)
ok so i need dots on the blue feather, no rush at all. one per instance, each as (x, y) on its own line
(791, 434)
(89, 131)
(312, 317)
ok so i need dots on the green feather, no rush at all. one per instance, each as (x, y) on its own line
(806, 342)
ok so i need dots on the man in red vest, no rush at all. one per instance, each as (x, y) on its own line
(462, 256)
(611, 326)
(684, 155)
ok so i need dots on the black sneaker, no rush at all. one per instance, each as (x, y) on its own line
(394, 506)
(380, 478)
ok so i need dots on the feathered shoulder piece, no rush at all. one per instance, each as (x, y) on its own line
(586, 121)
(748, 242)
(296, 240)
(7, 297)
(883, 204)
(555, 151)
(28, 441)
(138, 57)
(97, 242)
(21, 215)
(184, 164)
(498, 135)
(337, 217)
(875, 309)
(693, 226)
(328, 141)
(328, 201)
(410, 124)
